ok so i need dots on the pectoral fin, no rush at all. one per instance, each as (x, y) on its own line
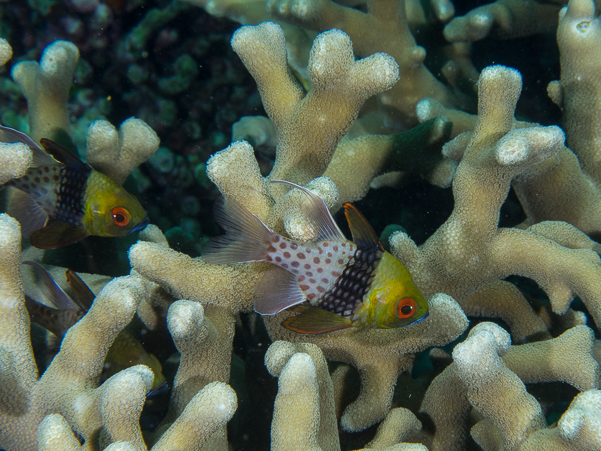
(57, 234)
(316, 321)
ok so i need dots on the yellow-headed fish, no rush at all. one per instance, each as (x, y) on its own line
(62, 200)
(56, 311)
(340, 283)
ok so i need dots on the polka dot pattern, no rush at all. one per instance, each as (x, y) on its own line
(332, 275)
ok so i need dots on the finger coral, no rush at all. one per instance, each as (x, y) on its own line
(377, 102)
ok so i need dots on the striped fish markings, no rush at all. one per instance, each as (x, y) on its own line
(334, 283)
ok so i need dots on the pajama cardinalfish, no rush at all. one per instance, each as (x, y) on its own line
(61, 199)
(333, 282)
(57, 312)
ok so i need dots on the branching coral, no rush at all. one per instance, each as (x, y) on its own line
(469, 250)
(383, 28)
(504, 19)
(466, 259)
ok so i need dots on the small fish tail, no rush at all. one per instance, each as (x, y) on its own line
(247, 239)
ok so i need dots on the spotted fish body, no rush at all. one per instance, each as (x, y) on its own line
(58, 190)
(61, 199)
(335, 283)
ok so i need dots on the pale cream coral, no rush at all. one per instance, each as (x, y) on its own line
(117, 153)
(513, 418)
(6, 51)
(64, 388)
(304, 415)
(309, 127)
(383, 28)
(320, 421)
(209, 410)
(469, 250)
(46, 86)
(503, 19)
(379, 355)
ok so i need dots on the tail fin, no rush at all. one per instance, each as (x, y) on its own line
(246, 238)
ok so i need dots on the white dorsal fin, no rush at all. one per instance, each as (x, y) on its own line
(316, 211)
(277, 290)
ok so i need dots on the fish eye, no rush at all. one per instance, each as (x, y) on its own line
(121, 216)
(405, 308)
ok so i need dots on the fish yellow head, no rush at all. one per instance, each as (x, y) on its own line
(110, 210)
(393, 300)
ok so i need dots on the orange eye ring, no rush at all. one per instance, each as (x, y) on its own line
(405, 308)
(121, 216)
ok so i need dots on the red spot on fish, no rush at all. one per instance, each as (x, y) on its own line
(301, 255)
(283, 245)
(325, 244)
(284, 266)
(320, 289)
(307, 266)
(300, 279)
(316, 260)
(304, 287)
(293, 246)
(271, 249)
(328, 261)
(294, 264)
(275, 238)
(324, 280)
(320, 270)
(320, 250)
(286, 254)
(335, 248)
(308, 250)
(311, 296)
(312, 281)
(278, 259)
(268, 258)
(343, 244)
(309, 274)
(340, 261)
(335, 273)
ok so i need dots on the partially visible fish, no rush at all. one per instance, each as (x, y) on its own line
(62, 199)
(57, 312)
(339, 283)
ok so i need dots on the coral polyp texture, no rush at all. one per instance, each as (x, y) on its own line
(476, 162)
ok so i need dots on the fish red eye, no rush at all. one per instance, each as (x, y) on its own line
(121, 216)
(405, 308)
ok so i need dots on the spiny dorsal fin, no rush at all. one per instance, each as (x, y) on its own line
(82, 292)
(316, 211)
(62, 155)
(40, 157)
(363, 233)
(316, 321)
(57, 234)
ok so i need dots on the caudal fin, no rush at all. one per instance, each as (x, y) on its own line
(246, 238)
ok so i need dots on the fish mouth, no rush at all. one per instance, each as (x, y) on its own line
(141, 226)
(423, 317)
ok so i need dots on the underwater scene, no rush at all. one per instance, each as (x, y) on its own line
(239, 225)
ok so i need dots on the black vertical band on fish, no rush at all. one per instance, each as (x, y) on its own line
(333, 282)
